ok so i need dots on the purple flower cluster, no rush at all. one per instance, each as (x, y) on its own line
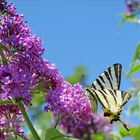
(10, 121)
(132, 6)
(23, 72)
(22, 68)
(82, 129)
(67, 99)
(74, 108)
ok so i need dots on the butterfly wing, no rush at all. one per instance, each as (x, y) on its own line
(108, 102)
(125, 97)
(111, 100)
(109, 79)
(92, 98)
(105, 89)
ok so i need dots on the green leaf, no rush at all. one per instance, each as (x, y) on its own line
(54, 134)
(139, 102)
(78, 75)
(124, 132)
(135, 66)
(98, 136)
(14, 138)
(134, 108)
(133, 69)
(137, 53)
(39, 89)
(134, 132)
(127, 17)
(114, 136)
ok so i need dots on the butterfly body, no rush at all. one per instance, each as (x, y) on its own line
(112, 116)
(105, 89)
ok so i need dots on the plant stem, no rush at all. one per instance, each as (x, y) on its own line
(4, 60)
(6, 102)
(30, 125)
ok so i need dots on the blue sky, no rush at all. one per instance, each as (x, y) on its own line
(82, 32)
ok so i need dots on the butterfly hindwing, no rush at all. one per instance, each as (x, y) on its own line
(109, 79)
(105, 98)
(126, 96)
(92, 98)
(111, 100)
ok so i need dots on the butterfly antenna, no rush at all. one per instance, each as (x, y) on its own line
(84, 84)
(125, 126)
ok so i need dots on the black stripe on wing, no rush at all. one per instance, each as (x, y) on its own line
(102, 98)
(109, 79)
(113, 94)
(100, 84)
(105, 96)
(118, 69)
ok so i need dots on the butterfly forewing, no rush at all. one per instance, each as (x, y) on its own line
(109, 79)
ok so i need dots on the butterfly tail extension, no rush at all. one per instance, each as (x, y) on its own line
(125, 126)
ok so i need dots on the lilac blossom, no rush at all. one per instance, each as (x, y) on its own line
(80, 128)
(132, 6)
(24, 69)
(10, 121)
(74, 107)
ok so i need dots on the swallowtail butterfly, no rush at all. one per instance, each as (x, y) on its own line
(106, 90)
